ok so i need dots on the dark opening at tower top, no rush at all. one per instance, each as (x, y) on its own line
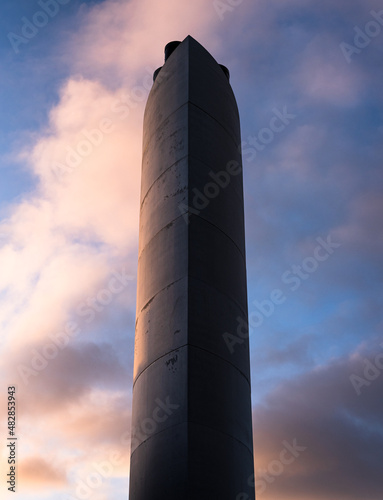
(171, 47)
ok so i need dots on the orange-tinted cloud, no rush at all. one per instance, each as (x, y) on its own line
(35, 473)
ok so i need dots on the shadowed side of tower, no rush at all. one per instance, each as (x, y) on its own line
(191, 422)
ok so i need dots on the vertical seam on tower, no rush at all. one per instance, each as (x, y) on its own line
(187, 286)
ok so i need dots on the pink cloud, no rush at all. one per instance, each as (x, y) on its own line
(113, 31)
(37, 474)
(324, 74)
(51, 263)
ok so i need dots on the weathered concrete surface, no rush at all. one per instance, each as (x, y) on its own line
(192, 433)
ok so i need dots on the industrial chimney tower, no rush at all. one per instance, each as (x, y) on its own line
(191, 422)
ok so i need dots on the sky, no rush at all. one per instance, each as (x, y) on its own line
(74, 77)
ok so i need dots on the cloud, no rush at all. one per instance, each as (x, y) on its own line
(295, 352)
(34, 473)
(100, 422)
(363, 230)
(324, 75)
(64, 375)
(89, 163)
(67, 238)
(112, 31)
(341, 431)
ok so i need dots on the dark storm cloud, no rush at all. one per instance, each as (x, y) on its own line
(68, 377)
(340, 429)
